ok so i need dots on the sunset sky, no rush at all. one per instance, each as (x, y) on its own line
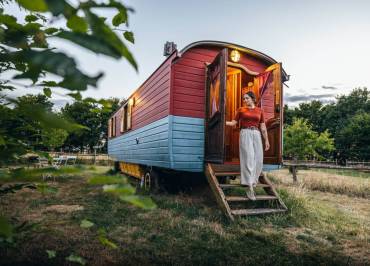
(323, 45)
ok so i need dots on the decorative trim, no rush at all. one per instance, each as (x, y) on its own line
(243, 67)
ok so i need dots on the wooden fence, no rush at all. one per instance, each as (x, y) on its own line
(355, 165)
(91, 158)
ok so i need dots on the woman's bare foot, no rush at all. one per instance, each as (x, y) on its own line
(250, 193)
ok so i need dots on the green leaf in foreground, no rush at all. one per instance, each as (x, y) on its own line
(145, 203)
(77, 24)
(129, 35)
(77, 96)
(51, 30)
(6, 229)
(120, 18)
(47, 92)
(86, 224)
(52, 62)
(119, 190)
(107, 180)
(99, 28)
(51, 253)
(2, 141)
(104, 240)
(34, 5)
(31, 18)
(91, 42)
(76, 258)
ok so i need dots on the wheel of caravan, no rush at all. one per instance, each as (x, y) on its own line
(151, 181)
(116, 166)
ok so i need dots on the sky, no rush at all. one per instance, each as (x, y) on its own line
(323, 45)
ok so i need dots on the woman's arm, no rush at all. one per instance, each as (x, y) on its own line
(265, 136)
(231, 123)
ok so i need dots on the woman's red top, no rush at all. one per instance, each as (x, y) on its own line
(249, 117)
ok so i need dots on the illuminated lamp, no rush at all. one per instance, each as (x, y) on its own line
(235, 56)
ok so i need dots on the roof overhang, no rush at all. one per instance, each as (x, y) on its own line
(246, 50)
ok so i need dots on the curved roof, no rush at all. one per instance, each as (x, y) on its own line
(244, 49)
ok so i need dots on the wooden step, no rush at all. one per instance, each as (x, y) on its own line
(238, 185)
(255, 211)
(227, 173)
(241, 198)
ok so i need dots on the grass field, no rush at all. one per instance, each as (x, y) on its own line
(326, 225)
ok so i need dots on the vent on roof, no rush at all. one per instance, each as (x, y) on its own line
(169, 48)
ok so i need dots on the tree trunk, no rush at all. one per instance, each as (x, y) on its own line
(294, 172)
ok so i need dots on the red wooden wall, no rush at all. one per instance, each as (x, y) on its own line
(177, 87)
(152, 99)
(189, 79)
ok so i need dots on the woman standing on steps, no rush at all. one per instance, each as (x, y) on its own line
(252, 123)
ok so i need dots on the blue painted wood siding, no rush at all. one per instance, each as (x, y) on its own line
(173, 142)
(187, 143)
(151, 148)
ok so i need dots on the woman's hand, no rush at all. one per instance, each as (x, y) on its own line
(265, 136)
(231, 123)
(267, 146)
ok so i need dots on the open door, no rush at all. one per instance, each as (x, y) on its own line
(269, 85)
(215, 109)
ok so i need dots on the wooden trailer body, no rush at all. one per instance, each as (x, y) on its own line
(176, 118)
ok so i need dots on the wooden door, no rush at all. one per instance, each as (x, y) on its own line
(215, 109)
(270, 100)
(232, 104)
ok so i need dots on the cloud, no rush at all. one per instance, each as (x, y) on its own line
(329, 87)
(301, 98)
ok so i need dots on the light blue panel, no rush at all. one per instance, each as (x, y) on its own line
(189, 166)
(187, 150)
(187, 135)
(151, 149)
(271, 167)
(187, 143)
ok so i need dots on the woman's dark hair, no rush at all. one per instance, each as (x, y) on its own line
(252, 95)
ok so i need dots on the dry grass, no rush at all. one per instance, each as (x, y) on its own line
(326, 182)
(188, 228)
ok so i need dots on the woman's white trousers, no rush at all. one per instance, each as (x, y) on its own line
(251, 156)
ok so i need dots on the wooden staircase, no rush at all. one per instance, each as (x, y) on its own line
(231, 196)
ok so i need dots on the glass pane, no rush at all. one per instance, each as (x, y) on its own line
(214, 98)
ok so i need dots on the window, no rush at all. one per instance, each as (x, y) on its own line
(126, 117)
(112, 127)
(109, 128)
(123, 121)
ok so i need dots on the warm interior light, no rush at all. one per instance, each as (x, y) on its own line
(132, 101)
(235, 56)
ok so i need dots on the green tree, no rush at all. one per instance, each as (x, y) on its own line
(18, 130)
(311, 111)
(301, 142)
(91, 115)
(337, 115)
(25, 53)
(54, 138)
(288, 115)
(354, 138)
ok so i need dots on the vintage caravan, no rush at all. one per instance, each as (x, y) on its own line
(176, 119)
